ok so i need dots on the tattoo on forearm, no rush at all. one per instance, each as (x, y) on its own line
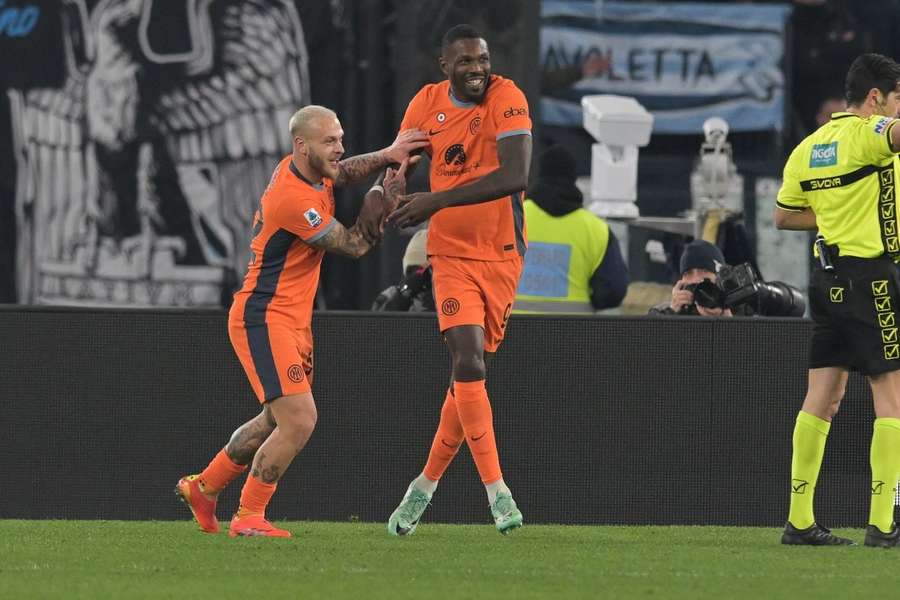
(343, 241)
(357, 167)
(248, 438)
(394, 188)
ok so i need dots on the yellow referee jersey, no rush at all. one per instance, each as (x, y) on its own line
(846, 172)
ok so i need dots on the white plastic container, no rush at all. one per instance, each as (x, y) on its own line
(616, 120)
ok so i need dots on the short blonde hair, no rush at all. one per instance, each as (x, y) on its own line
(302, 119)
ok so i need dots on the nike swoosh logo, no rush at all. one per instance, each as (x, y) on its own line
(454, 446)
(475, 439)
(433, 132)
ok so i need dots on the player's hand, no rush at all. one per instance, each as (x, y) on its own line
(407, 142)
(414, 209)
(395, 186)
(371, 217)
(680, 297)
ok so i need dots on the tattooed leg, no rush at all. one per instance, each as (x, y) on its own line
(247, 439)
(296, 418)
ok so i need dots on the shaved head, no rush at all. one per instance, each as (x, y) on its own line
(308, 116)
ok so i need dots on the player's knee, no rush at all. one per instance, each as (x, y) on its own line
(468, 366)
(300, 426)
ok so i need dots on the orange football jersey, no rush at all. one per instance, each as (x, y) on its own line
(463, 148)
(283, 274)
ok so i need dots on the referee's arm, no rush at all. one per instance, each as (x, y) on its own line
(795, 220)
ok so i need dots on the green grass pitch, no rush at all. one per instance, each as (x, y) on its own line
(117, 559)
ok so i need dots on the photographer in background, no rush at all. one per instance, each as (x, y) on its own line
(413, 293)
(699, 261)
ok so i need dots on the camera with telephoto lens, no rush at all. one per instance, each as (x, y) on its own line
(412, 293)
(739, 286)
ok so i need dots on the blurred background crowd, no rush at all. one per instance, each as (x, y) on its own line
(136, 136)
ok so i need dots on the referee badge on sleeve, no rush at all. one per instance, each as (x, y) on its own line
(836, 294)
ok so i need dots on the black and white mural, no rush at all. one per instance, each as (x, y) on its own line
(138, 173)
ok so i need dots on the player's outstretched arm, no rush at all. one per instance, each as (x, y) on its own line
(355, 168)
(343, 241)
(514, 154)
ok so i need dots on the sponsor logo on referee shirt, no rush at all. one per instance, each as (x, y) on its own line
(823, 155)
(881, 124)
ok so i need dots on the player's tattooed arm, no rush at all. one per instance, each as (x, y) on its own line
(355, 168)
(343, 241)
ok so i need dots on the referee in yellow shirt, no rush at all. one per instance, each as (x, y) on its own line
(842, 180)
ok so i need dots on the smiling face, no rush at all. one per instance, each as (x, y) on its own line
(321, 146)
(467, 64)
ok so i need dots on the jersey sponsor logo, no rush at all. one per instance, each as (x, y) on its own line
(515, 112)
(881, 124)
(475, 125)
(824, 184)
(312, 217)
(455, 155)
(295, 373)
(450, 306)
(823, 155)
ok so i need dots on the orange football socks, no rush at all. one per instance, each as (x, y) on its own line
(447, 440)
(255, 497)
(220, 472)
(477, 420)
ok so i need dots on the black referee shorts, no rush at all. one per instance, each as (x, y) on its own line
(855, 311)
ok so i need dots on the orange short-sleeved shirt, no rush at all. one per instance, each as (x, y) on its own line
(283, 274)
(463, 148)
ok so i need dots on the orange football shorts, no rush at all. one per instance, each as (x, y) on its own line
(475, 292)
(277, 357)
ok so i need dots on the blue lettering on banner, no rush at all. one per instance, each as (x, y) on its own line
(823, 155)
(684, 62)
(546, 271)
(18, 22)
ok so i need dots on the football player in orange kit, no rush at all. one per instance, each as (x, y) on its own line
(269, 321)
(480, 144)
